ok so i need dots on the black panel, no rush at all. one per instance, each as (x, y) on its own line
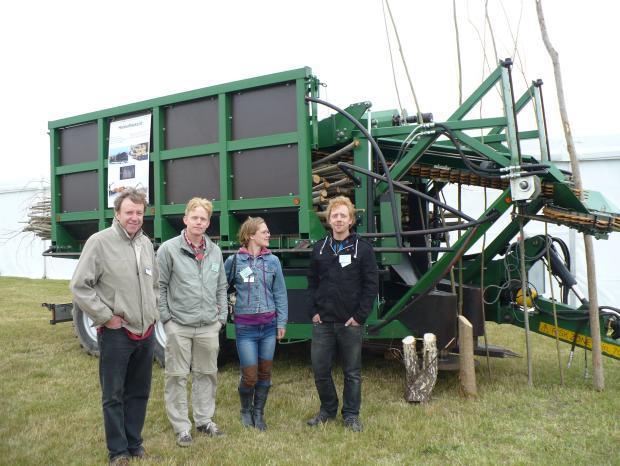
(79, 192)
(472, 305)
(78, 144)
(81, 231)
(279, 221)
(192, 177)
(434, 313)
(264, 111)
(148, 227)
(191, 124)
(298, 307)
(266, 172)
(176, 222)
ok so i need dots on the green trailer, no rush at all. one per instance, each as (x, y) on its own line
(257, 147)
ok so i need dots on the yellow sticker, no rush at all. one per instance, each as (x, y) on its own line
(582, 340)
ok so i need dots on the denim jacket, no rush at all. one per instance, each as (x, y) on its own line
(259, 283)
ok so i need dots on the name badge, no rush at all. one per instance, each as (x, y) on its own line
(215, 267)
(147, 270)
(245, 273)
(249, 279)
(345, 259)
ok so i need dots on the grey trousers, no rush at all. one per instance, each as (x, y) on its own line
(192, 349)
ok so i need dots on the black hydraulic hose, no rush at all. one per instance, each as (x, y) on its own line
(531, 166)
(455, 259)
(493, 172)
(375, 146)
(461, 226)
(572, 348)
(538, 173)
(408, 189)
(566, 253)
(610, 308)
(564, 248)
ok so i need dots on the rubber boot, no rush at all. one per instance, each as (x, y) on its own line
(246, 395)
(260, 398)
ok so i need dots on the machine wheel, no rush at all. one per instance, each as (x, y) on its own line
(160, 344)
(225, 353)
(87, 335)
(227, 350)
(85, 332)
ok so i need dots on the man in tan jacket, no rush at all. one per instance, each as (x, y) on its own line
(116, 284)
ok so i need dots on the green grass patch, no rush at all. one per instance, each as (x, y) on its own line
(50, 410)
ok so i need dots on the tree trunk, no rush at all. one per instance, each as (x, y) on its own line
(467, 367)
(420, 379)
(595, 331)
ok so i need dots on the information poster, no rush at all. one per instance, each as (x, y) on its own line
(128, 156)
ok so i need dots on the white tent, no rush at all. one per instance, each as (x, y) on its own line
(21, 254)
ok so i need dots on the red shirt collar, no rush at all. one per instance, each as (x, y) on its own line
(198, 250)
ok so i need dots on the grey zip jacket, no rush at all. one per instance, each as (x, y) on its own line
(108, 279)
(192, 292)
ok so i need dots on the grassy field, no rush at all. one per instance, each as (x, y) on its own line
(50, 406)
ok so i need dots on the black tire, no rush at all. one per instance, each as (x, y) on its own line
(225, 354)
(87, 335)
(227, 350)
(160, 344)
(85, 332)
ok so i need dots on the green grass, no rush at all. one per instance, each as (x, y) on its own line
(50, 406)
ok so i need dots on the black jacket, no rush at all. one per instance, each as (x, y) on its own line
(338, 289)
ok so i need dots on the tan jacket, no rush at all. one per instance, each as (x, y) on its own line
(108, 281)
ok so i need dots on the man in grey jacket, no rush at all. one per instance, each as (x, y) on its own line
(116, 284)
(193, 309)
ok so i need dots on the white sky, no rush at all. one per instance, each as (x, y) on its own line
(63, 58)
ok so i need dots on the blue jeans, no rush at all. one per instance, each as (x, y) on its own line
(329, 338)
(256, 345)
(125, 375)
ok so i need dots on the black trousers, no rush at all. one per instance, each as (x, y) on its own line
(328, 339)
(125, 367)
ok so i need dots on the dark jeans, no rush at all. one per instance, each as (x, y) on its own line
(125, 375)
(327, 339)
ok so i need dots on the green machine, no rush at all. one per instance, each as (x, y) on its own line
(257, 147)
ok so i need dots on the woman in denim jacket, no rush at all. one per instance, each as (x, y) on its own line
(261, 312)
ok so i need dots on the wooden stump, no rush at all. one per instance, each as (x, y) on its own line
(467, 369)
(420, 376)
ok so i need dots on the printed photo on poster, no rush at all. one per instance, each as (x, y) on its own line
(128, 156)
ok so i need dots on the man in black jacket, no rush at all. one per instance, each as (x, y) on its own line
(343, 285)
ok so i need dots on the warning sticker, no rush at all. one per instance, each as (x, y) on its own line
(582, 340)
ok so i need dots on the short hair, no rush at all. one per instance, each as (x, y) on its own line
(137, 196)
(338, 201)
(249, 228)
(199, 202)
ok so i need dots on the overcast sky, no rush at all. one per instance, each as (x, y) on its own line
(63, 58)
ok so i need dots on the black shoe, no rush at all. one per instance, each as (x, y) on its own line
(246, 396)
(141, 454)
(121, 460)
(320, 418)
(354, 424)
(210, 430)
(260, 399)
